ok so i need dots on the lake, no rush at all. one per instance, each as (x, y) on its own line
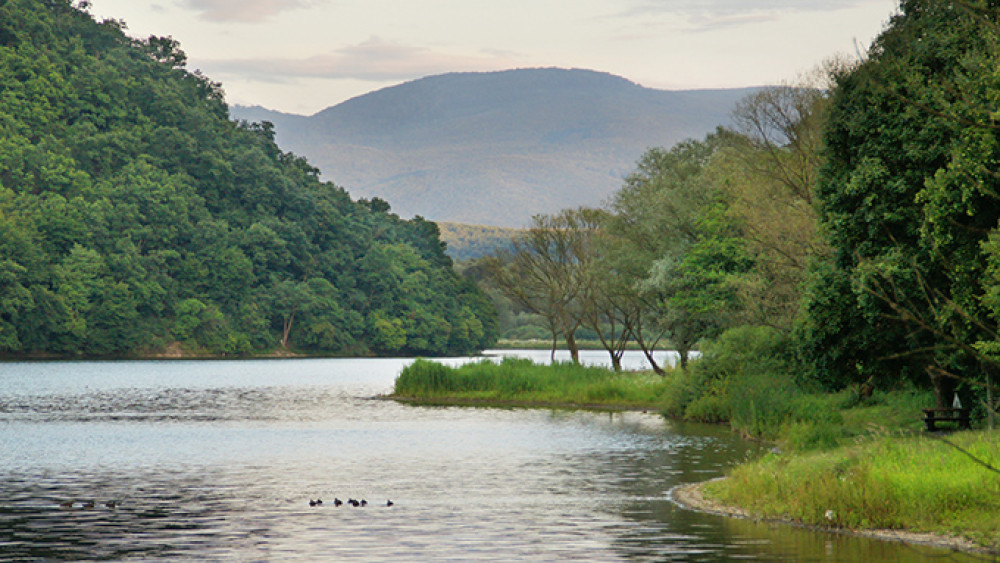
(219, 460)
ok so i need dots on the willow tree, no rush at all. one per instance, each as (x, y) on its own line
(546, 271)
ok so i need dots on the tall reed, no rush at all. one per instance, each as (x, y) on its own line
(520, 380)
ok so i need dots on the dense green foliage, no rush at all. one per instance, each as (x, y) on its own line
(135, 214)
(908, 196)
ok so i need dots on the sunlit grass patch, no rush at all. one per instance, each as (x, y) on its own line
(919, 482)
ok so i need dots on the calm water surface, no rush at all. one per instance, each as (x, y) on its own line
(218, 460)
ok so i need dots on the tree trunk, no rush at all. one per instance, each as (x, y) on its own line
(555, 344)
(616, 361)
(944, 388)
(683, 352)
(574, 351)
(647, 350)
(287, 329)
(652, 363)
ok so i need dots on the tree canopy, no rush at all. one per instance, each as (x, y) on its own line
(908, 197)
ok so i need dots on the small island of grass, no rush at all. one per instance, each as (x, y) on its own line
(520, 382)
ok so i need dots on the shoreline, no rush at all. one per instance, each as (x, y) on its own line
(691, 496)
(514, 404)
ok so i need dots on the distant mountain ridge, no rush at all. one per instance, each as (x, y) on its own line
(495, 148)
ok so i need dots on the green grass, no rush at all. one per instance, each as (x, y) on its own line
(916, 482)
(519, 381)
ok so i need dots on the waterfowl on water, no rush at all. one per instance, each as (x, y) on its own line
(364, 502)
(337, 502)
(316, 502)
(389, 503)
(353, 502)
(66, 505)
(88, 505)
(111, 504)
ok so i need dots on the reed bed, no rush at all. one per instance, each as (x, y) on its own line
(521, 381)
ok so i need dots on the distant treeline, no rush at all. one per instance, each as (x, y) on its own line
(136, 216)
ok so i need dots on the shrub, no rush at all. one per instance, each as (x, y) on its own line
(743, 377)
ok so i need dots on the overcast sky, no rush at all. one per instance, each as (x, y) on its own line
(301, 56)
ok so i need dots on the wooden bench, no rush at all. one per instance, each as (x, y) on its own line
(933, 416)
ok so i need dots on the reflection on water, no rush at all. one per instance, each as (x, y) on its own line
(219, 460)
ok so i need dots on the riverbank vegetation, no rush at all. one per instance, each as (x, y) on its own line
(136, 218)
(846, 459)
(918, 483)
(520, 382)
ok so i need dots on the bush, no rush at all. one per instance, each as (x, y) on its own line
(708, 408)
(805, 436)
(761, 403)
(743, 377)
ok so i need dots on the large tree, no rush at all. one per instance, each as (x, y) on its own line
(769, 174)
(908, 195)
(675, 239)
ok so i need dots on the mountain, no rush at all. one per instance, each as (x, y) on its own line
(136, 218)
(495, 148)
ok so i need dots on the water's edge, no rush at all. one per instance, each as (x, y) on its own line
(691, 496)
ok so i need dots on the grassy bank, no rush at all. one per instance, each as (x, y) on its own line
(518, 381)
(914, 482)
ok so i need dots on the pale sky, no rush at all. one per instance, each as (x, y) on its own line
(301, 56)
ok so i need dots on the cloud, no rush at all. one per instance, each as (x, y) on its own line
(243, 11)
(703, 15)
(371, 60)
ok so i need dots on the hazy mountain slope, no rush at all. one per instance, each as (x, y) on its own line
(496, 148)
(469, 242)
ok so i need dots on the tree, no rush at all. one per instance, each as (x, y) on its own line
(546, 272)
(769, 174)
(907, 214)
(675, 241)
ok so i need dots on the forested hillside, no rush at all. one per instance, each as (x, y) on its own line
(135, 216)
(495, 148)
